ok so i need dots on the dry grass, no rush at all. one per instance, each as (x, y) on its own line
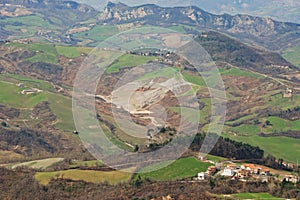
(112, 177)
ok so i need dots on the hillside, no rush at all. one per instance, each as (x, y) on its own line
(45, 19)
(148, 101)
(254, 79)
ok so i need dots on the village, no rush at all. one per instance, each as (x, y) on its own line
(243, 172)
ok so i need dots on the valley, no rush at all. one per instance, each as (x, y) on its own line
(42, 50)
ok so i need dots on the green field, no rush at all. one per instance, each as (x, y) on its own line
(215, 158)
(188, 114)
(98, 33)
(248, 196)
(281, 125)
(29, 82)
(26, 26)
(195, 79)
(293, 55)
(246, 129)
(10, 95)
(281, 147)
(128, 60)
(167, 72)
(45, 52)
(254, 196)
(30, 20)
(62, 108)
(60, 105)
(90, 163)
(114, 139)
(283, 103)
(72, 52)
(239, 72)
(112, 177)
(179, 169)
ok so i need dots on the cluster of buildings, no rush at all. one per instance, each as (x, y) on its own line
(245, 171)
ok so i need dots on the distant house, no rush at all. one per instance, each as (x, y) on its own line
(288, 93)
(201, 176)
(291, 178)
(228, 172)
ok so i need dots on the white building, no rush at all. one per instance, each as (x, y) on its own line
(228, 172)
(202, 176)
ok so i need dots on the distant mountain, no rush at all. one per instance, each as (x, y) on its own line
(69, 22)
(264, 31)
(282, 10)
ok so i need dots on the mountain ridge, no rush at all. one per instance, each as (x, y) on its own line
(261, 30)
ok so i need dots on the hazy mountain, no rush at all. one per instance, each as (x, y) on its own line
(263, 31)
(283, 10)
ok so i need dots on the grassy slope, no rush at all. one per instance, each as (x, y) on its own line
(282, 125)
(49, 53)
(98, 33)
(248, 196)
(90, 163)
(59, 104)
(255, 196)
(281, 147)
(180, 169)
(239, 72)
(39, 164)
(62, 108)
(128, 60)
(10, 95)
(293, 55)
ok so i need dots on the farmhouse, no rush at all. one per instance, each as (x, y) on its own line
(288, 93)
